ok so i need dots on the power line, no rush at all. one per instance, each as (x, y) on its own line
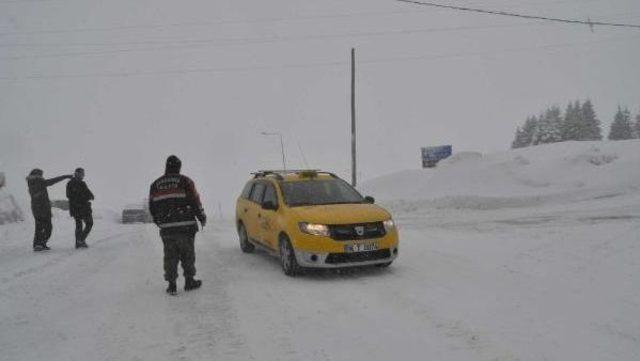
(301, 66)
(23, 1)
(524, 16)
(483, 53)
(197, 43)
(212, 42)
(242, 40)
(206, 23)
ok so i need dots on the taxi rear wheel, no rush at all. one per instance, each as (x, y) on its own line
(245, 245)
(288, 260)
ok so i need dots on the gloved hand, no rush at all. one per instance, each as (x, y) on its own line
(203, 220)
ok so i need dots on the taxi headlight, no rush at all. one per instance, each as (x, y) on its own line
(314, 229)
(389, 225)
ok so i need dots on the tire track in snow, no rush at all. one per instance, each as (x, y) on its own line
(196, 325)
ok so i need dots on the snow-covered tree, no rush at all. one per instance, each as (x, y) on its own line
(572, 128)
(590, 121)
(549, 127)
(621, 126)
(518, 141)
(525, 133)
(529, 130)
(636, 126)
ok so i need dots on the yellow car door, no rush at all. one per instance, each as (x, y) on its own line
(267, 217)
(253, 210)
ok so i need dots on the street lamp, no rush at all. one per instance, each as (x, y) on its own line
(284, 163)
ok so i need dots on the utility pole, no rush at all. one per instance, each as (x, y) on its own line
(284, 162)
(353, 118)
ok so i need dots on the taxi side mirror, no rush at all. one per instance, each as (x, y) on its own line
(269, 205)
(369, 199)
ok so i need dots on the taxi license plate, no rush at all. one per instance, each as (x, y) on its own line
(361, 247)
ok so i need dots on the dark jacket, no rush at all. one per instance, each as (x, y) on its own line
(80, 198)
(40, 203)
(175, 204)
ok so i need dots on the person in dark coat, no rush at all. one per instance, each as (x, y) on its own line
(41, 206)
(175, 206)
(80, 198)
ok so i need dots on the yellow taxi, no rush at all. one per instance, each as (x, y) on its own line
(313, 219)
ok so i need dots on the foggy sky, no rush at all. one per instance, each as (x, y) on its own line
(209, 76)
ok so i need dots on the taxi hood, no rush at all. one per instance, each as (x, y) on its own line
(340, 213)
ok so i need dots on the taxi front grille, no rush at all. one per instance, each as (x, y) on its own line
(338, 258)
(350, 232)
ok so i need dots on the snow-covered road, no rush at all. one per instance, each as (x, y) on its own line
(553, 282)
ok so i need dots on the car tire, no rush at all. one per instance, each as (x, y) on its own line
(245, 245)
(288, 260)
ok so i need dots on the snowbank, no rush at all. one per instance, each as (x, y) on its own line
(10, 212)
(560, 172)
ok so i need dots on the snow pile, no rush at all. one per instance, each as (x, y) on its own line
(560, 172)
(9, 210)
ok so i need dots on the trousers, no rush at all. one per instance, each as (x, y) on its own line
(83, 227)
(179, 248)
(42, 232)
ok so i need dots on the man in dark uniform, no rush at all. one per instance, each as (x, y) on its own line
(41, 206)
(80, 198)
(175, 205)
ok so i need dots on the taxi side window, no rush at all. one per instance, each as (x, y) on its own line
(257, 193)
(246, 191)
(270, 195)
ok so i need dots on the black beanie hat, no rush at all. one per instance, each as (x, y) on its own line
(36, 172)
(173, 164)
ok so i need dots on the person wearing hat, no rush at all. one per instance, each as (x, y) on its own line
(80, 198)
(41, 206)
(175, 206)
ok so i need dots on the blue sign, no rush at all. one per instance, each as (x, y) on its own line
(432, 155)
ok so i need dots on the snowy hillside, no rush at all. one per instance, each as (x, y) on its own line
(524, 255)
(560, 172)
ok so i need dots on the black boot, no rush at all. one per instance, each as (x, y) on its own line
(172, 289)
(191, 284)
(81, 244)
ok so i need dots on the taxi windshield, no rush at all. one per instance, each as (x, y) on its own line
(319, 192)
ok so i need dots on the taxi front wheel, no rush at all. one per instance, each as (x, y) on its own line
(288, 260)
(245, 245)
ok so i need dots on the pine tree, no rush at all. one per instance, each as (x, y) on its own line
(571, 128)
(590, 122)
(549, 127)
(621, 126)
(529, 130)
(518, 140)
(525, 133)
(637, 126)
